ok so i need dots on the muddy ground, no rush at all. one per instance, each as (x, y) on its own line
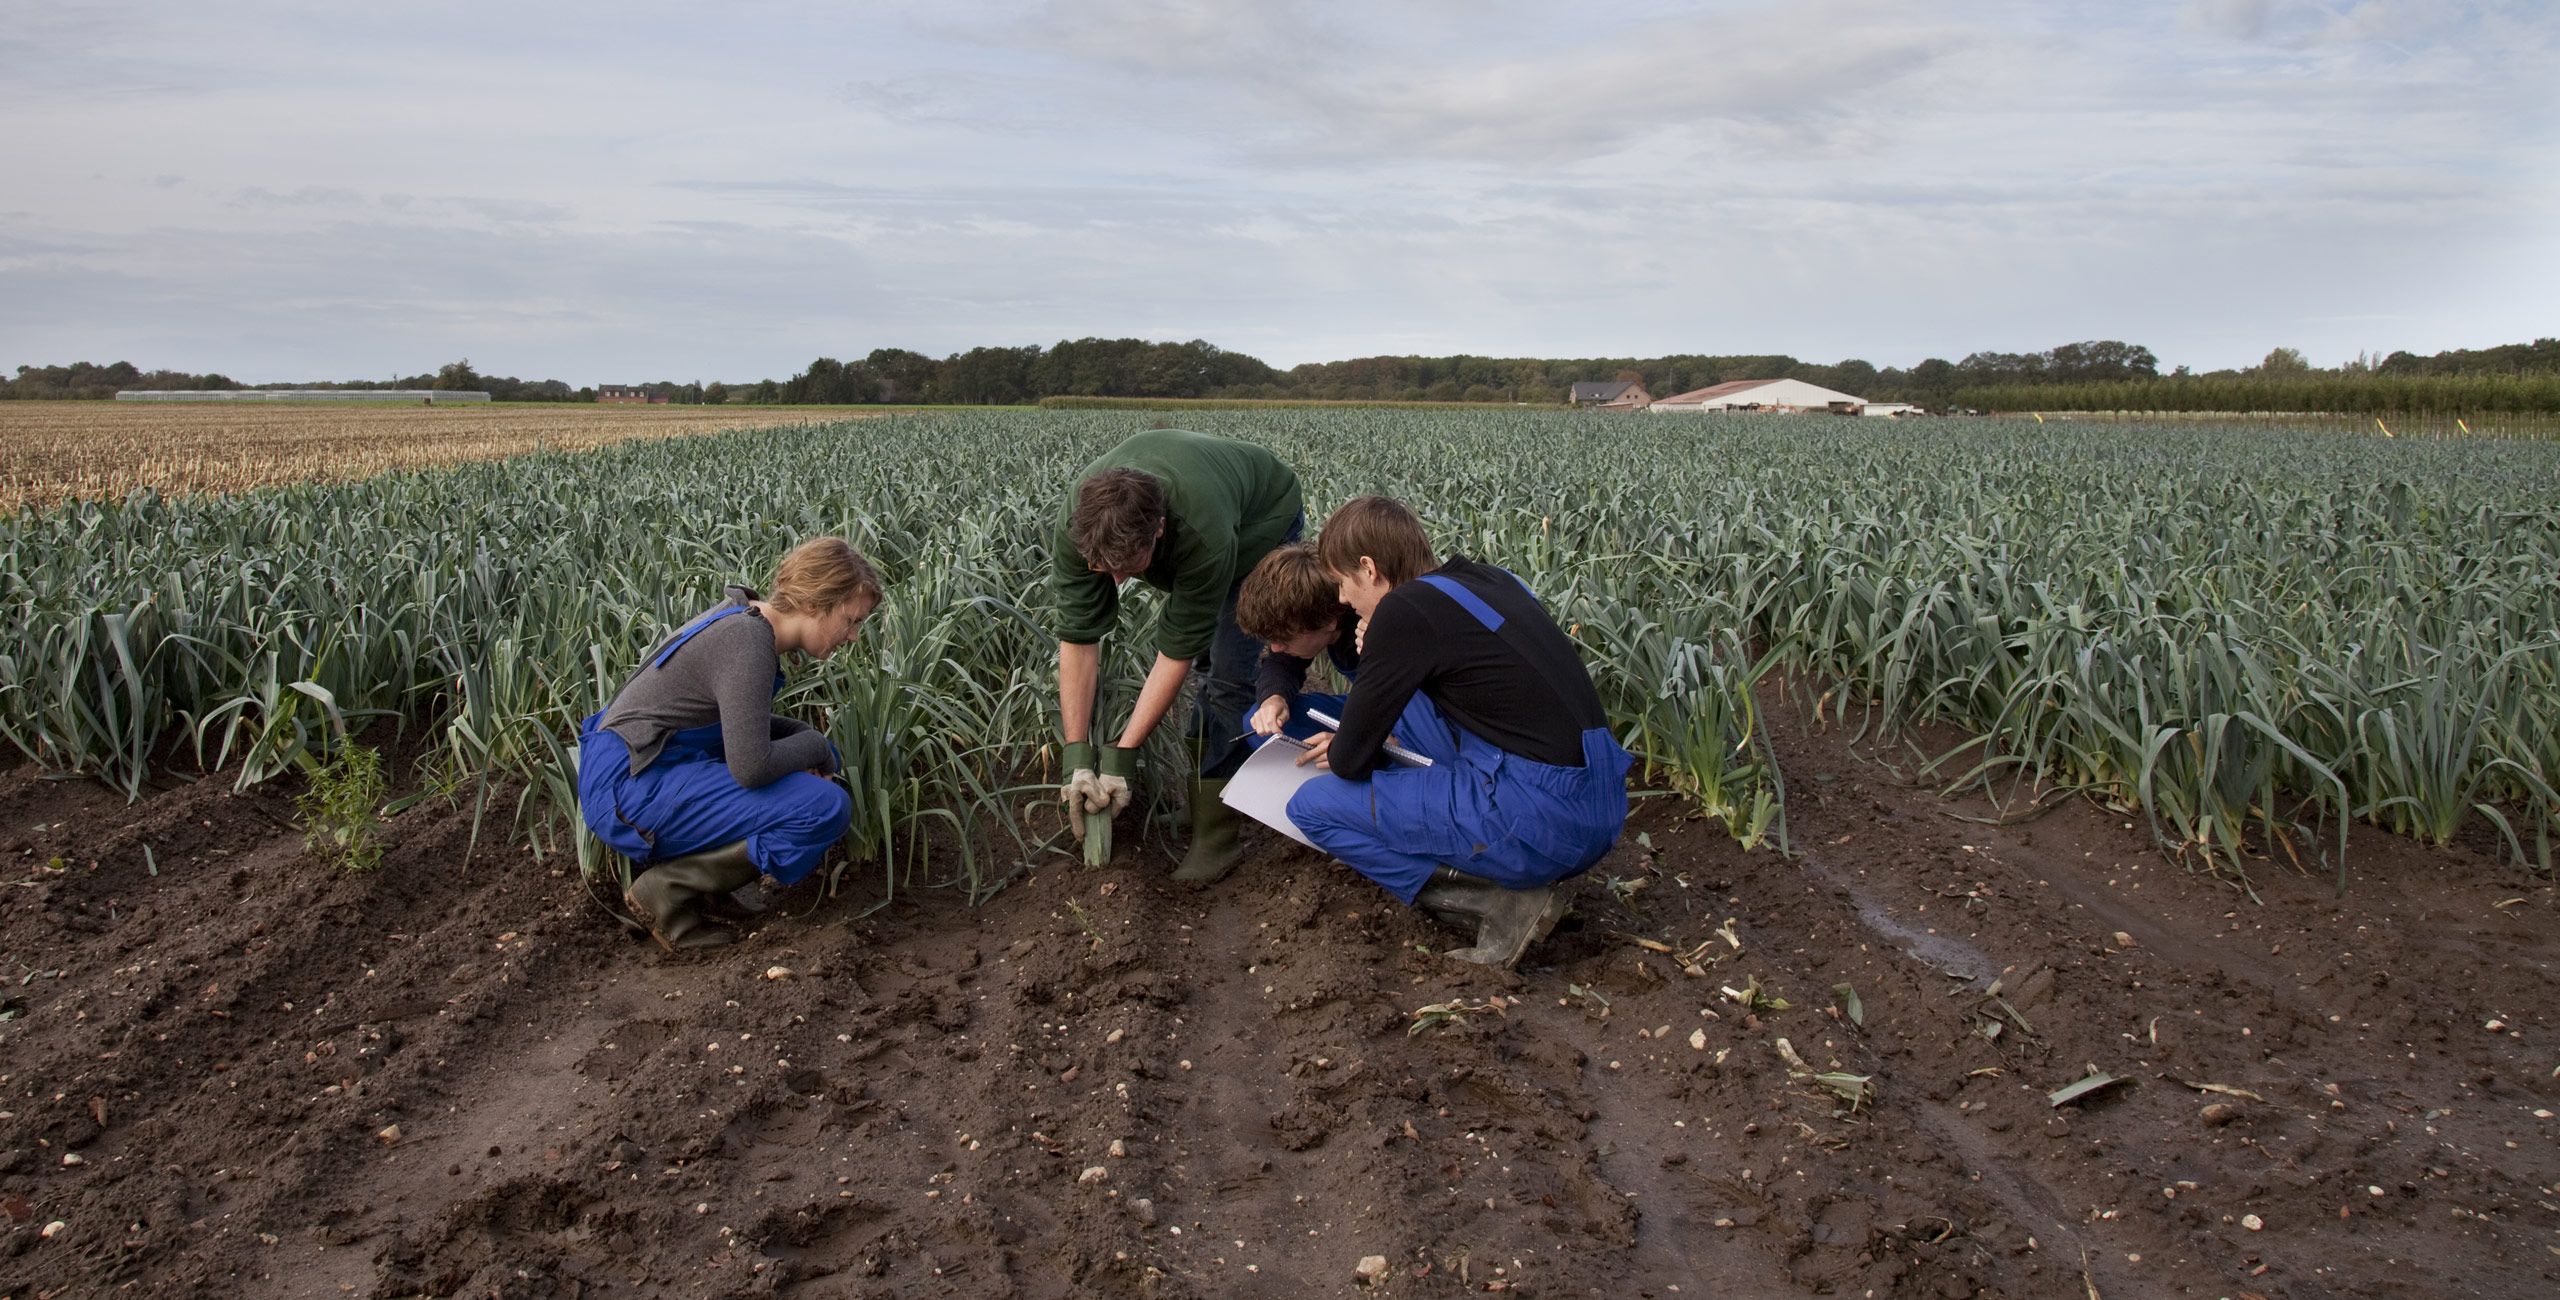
(246, 1076)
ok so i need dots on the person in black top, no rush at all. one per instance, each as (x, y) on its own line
(1526, 785)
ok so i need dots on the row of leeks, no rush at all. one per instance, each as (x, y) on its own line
(2253, 636)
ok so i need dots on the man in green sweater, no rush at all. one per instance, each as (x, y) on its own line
(1190, 515)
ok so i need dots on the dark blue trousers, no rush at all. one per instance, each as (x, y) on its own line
(1514, 821)
(1226, 683)
(686, 802)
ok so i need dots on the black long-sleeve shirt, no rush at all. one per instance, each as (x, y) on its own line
(1286, 675)
(1535, 704)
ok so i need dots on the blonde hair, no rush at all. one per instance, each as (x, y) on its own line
(822, 575)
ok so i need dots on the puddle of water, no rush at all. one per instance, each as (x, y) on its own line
(1953, 956)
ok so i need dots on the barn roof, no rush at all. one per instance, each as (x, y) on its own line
(1725, 389)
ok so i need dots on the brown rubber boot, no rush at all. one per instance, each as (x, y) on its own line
(668, 896)
(1505, 921)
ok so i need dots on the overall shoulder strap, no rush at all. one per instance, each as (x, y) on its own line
(691, 630)
(1467, 600)
(1509, 630)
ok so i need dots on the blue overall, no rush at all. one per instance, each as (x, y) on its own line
(686, 801)
(1514, 821)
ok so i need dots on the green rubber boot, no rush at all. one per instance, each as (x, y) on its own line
(1506, 921)
(667, 896)
(1215, 832)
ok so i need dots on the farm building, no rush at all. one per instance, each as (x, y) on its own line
(1616, 395)
(616, 395)
(1761, 395)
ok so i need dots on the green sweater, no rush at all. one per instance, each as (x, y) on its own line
(1227, 504)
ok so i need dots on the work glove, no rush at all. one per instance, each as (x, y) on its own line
(1097, 784)
(1077, 759)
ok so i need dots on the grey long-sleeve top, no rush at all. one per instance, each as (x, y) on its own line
(725, 674)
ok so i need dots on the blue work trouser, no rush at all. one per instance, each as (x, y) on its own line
(686, 801)
(1514, 821)
(1216, 732)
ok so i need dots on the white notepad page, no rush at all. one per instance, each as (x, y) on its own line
(1261, 788)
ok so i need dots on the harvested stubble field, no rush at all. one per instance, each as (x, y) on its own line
(93, 450)
(2230, 676)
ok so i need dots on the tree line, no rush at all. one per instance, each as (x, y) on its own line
(2097, 374)
(85, 381)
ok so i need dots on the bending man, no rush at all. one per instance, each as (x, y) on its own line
(1526, 786)
(1190, 515)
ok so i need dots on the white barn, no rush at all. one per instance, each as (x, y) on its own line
(1760, 395)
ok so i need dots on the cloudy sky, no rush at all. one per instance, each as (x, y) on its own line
(641, 190)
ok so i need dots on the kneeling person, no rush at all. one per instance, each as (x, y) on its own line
(690, 773)
(1526, 786)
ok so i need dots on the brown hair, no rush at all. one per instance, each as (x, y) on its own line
(822, 575)
(1381, 528)
(1116, 517)
(1287, 594)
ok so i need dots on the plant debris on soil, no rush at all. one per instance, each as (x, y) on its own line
(226, 1070)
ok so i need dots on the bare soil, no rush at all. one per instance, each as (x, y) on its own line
(247, 1076)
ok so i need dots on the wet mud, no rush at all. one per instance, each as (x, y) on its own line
(226, 1071)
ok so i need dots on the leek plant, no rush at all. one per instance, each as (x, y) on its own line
(2253, 635)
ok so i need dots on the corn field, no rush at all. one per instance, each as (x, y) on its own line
(2251, 636)
(2485, 398)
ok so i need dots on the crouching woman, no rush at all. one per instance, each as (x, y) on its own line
(1525, 787)
(691, 774)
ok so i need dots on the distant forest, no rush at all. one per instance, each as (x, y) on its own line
(83, 381)
(2093, 375)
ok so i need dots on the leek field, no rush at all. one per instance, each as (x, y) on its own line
(2251, 636)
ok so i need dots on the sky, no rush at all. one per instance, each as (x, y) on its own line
(640, 191)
